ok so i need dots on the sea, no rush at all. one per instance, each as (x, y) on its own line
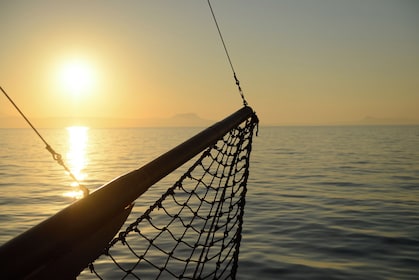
(323, 202)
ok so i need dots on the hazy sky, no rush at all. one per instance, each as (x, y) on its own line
(299, 61)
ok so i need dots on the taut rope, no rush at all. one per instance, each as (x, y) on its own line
(228, 55)
(56, 156)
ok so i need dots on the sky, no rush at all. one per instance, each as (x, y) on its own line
(298, 61)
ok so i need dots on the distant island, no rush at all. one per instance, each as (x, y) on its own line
(368, 120)
(179, 120)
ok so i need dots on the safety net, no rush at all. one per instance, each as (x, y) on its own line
(193, 231)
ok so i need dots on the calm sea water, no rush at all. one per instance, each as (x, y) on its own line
(322, 203)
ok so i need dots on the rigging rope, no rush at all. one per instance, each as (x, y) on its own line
(227, 54)
(56, 156)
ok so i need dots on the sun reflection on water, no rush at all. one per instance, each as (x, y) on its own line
(76, 157)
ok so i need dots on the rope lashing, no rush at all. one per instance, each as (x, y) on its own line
(240, 90)
(56, 156)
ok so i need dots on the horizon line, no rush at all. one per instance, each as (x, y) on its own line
(195, 121)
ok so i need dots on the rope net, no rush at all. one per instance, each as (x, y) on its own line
(194, 230)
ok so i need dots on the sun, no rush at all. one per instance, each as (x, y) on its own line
(77, 77)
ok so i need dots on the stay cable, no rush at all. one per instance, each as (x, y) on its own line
(56, 156)
(227, 54)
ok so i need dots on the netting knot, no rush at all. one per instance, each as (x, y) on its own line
(171, 191)
(121, 237)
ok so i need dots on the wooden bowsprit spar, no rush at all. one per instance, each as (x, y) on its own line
(68, 241)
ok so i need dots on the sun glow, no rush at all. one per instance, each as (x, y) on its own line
(76, 157)
(77, 77)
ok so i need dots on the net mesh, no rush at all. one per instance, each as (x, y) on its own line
(193, 231)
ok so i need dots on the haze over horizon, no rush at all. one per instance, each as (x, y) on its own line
(299, 62)
(180, 120)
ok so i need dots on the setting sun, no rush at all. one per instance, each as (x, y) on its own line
(77, 77)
